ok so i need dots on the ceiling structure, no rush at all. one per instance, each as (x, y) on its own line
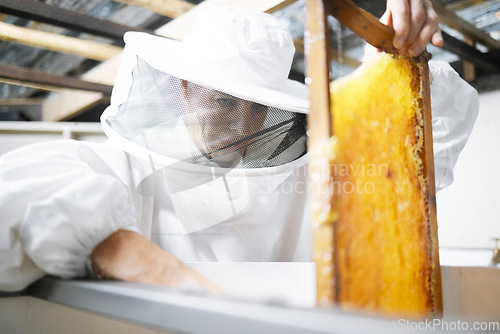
(59, 58)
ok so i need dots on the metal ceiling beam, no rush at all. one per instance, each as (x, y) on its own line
(335, 55)
(469, 30)
(376, 7)
(25, 75)
(481, 60)
(40, 12)
(485, 81)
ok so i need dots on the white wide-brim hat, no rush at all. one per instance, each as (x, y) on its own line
(241, 52)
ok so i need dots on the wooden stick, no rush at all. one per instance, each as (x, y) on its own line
(363, 24)
(316, 49)
(26, 75)
(58, 43)
(429, 175)
(320, 131)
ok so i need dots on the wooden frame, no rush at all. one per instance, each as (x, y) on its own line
(320, 128)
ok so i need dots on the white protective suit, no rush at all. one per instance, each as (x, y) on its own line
(58, 200)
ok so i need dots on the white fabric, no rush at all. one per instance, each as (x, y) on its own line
(455, 106)
(201, 196)
(242, 52)
(57, 201)
(60, 199)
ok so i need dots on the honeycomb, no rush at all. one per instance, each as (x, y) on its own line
(374, 246)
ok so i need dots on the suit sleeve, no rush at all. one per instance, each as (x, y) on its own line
(58, 200)
(455, 106)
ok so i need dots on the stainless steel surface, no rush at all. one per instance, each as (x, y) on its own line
(178, 311)
(195, 312)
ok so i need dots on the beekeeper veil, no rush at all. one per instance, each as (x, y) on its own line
(215, 116)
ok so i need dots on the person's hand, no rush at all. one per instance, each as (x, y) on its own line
(415, 24)
(128, 256)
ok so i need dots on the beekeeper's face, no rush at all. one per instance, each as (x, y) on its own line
(222, 125)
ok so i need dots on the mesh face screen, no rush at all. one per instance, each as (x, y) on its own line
(195, 124)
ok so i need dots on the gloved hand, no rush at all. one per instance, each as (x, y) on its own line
(128, 256)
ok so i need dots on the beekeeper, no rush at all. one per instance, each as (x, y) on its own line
(207, 144)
